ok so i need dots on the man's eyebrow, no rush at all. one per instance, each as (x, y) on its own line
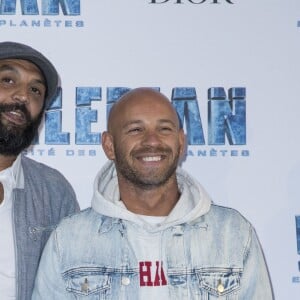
(132, 122)
(41, 81)
(167, 121)
(139, 122)
(6, 67)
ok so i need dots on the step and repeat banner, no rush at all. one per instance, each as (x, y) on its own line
(231, 69)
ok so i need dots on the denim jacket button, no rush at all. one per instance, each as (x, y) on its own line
(85, 286)
(220, 288)
(125, 280)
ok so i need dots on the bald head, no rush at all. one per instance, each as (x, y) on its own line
(144, 140)
(141, 100)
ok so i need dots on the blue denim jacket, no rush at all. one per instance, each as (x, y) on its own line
(214, 254)
(38, 206)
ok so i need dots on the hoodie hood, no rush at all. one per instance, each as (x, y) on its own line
(193, 202)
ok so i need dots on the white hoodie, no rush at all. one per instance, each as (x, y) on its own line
(144, 236)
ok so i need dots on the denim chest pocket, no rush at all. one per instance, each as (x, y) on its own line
(219, 284)
(90, 286)
(38, 232)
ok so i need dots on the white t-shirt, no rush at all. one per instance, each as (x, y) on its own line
(8, 178)
(147, 248)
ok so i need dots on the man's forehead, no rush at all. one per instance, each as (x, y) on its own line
(145, 107)
(12, 62)
(150, 113)
(145, 102)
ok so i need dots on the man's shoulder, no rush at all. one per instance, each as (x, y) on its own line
(39, 178)
(86, 221)
(28, 162)
(217, 208)
(227, 214)
(34, 168)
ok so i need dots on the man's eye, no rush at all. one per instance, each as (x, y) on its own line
(134, 130)
(7, 80)
(36, 90)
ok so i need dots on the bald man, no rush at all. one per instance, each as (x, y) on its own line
(152, 231)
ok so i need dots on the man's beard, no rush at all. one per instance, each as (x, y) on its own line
(13, 138)
(152, 179)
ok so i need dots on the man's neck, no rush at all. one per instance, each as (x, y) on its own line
(158, 201)
(6, 161)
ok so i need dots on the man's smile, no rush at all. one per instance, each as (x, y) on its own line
(16, 117)
(152, 158)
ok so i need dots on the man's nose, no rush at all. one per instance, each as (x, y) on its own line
(151, 138)
(21, 95)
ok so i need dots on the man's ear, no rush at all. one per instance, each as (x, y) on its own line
(108, 145)
(182, 142)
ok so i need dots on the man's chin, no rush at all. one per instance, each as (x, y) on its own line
(17, 136)
(14, 140)
(151, 181)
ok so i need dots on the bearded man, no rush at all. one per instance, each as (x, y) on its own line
(33, 196)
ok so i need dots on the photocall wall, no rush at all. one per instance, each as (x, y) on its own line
(231, 69)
